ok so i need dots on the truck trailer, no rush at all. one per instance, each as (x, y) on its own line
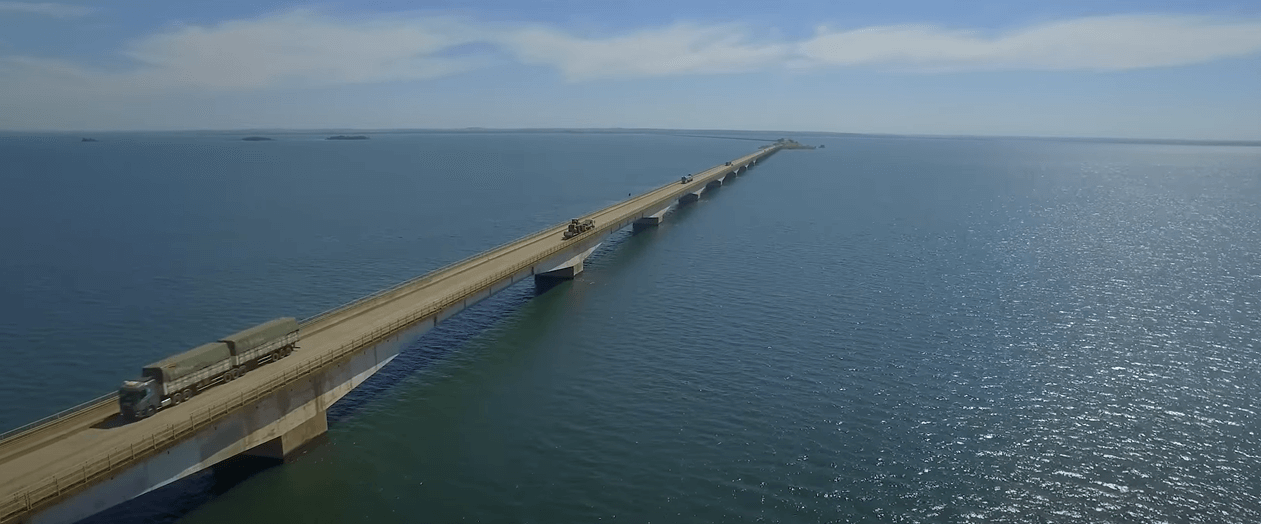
(177, 378)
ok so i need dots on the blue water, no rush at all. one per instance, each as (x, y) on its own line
(885, 330)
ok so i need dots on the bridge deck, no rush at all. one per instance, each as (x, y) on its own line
(57, 450)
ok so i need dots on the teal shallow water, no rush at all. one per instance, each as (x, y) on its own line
(916, 330)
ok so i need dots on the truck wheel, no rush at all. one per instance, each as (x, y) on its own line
(188, 393)
(149, 411)
(178, 397)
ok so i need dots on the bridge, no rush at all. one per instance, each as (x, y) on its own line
(79, 462)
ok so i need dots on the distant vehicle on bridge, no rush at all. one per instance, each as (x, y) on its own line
(685, 179)
(177, 378)
(577, 228)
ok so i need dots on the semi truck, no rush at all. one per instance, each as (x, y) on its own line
(177, 378)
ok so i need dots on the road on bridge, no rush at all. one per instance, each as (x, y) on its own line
(61, 447)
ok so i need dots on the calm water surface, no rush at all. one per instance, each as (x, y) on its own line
(885, 330)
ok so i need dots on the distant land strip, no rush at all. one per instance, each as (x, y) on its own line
(726, 137)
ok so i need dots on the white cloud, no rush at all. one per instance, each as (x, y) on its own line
(301, 48)
(674, 50)
(1106, 43)
(305, 48)
(47, 8)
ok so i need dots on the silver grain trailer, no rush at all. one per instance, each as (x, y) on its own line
(177, 378)
(274, 339)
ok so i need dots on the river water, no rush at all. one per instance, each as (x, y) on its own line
(884, 330)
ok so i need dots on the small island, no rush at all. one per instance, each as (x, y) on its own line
(89, 140)
(347, 137)
(256, 139)
(788, 143)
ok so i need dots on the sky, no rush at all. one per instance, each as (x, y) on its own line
(1099, 68)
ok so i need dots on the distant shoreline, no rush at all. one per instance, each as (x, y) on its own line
(690, 133)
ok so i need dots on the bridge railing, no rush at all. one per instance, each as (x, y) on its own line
(434, 273)
(431, 275)
(422, 278)
(111, 462)
(103, 399)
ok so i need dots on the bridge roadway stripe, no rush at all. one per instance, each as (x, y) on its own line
(61, 450)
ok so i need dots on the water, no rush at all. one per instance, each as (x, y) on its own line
(885, 330)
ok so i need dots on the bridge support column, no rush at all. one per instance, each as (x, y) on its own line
(564, 273)
(652, 220)
(284, 446)
(691, 197)
(566, 270)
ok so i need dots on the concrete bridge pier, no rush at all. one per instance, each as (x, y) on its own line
(565, 270)
(691, 197)
(652, 220)
(285, 447)
(275, 426)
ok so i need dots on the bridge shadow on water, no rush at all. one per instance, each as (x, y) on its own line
(170, 503)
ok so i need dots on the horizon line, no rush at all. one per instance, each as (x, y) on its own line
(473, 129)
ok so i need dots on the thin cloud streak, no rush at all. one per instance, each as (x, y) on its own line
(47, 9)
(1107, 43)
(675, 50)
(304, 48)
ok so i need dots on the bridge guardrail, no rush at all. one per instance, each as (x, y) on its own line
(434, 273)
(416, 280)
(73, 479)
(31, 426)
(112, 396)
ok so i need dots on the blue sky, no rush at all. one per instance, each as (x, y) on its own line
(1151, 69)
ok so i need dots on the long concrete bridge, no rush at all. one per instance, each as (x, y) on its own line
(83, 461)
